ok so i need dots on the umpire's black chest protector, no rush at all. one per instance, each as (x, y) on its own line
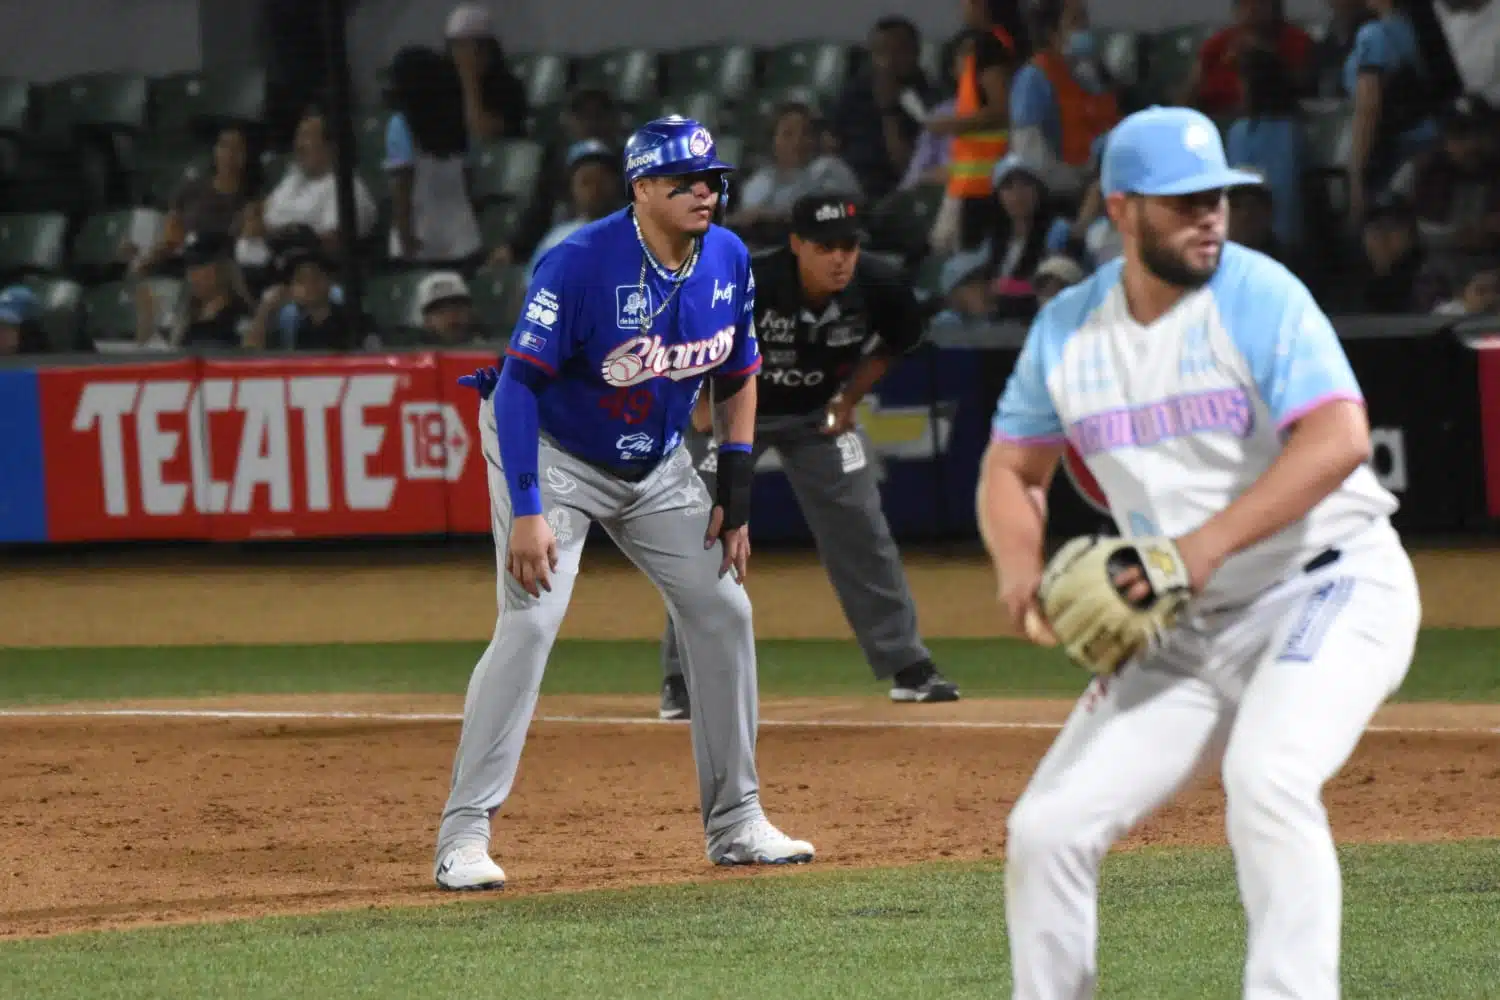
(806, 353)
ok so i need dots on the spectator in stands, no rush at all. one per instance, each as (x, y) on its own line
(425, 154)
(1268, 138)
(1061, 101)
(217, 203)
(494, 98)
(1393, 261)
(1472, 30)
(1480, 296)
(447, 310)
(929, 158)
(213, 310)
(1331, 51)
(876, 135)
(1252, 215)
(307, 195)
(595, 189)
(590, 114)
(995, 46)
(1455, 189)
(1392, 102)
(998, 282)
(1053, 275)
(305, 310)
(1215, 84)
(797, 168)
(20, 322)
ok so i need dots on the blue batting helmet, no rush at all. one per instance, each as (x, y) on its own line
(668, 146)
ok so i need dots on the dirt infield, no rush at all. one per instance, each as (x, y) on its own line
(119, 820)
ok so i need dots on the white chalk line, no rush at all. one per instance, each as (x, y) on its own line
(272, 715)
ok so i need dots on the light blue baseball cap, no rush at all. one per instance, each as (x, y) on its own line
(1167, 151)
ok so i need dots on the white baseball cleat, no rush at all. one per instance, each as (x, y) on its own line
(468, 868)
(757, 842)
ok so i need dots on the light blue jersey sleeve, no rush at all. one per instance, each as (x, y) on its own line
(400, 147)
(286, 324)
(1294, 355)
(744, 356)
(547, 333)
(1026, 413)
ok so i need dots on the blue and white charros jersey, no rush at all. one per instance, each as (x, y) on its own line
(627, 363)
(1178, 418)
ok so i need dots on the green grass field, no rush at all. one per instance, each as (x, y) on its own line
(1423, 921)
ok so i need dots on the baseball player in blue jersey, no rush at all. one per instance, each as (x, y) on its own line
(1210, 398)
(585, 422)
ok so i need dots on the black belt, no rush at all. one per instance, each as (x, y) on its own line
(1323, 559)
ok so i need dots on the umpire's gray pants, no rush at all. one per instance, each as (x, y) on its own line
(837, 487)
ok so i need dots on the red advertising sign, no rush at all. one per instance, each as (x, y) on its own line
(274, 448)
(1489, 422)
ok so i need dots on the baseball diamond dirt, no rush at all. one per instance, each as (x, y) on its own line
(240, 807)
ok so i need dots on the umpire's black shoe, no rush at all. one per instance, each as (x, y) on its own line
(674, 699)
(918, 683)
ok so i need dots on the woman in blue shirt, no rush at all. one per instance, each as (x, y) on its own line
(1392, 90)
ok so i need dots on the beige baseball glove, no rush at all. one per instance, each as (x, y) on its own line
(1092, 616)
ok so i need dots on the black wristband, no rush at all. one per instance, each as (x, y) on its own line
(735, 473)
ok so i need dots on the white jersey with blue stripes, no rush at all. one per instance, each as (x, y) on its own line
(1177, 418)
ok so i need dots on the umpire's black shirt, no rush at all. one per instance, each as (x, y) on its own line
(806, 356)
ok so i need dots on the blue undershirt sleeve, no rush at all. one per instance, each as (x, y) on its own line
(516, 426)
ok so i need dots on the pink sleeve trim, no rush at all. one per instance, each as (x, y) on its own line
(1044, 439)
(1323, 400)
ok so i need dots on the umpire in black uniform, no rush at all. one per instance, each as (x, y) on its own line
(831, 322)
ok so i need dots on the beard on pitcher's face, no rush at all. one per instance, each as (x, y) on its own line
(1181, 240)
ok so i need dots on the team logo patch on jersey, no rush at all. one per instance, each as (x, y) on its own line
(528, 341)
(633, 446)
(641, 359)
(722, 294)
(542, 310)
(632, 306)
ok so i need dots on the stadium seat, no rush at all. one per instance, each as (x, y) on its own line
(160, 167)
(1120, 52)
(61, 300)
(545, 76)
(704, 107)
(821, 67)
(109, 309)
(725, 70)
(507, 170)
(112, 101)
(96, 248)
(630, 75)
(189, 102)
(497, 298)
(731, 149)
(901, 221)
(31, 243)
(931, 61)
(15, 105)
(391, 301)
(1170, 56)
(498, 222)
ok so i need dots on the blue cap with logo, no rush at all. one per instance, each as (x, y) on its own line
(1167, 151)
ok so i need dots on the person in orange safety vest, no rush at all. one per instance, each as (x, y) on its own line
(1061, 101)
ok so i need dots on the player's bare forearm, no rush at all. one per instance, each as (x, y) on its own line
(1011, 522)
(734, 418)
(1322, 450)
(870, 370)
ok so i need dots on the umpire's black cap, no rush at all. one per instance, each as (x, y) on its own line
(828, 219)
